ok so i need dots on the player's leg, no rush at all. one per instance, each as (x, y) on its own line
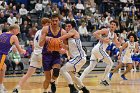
(30, 72)
(2, 75)
(73, 69)
(68, 78)
(91, 66)
(36, 62)
(55, 74)
(2, 72)
(129, 67)
(79, 82)
(115, 69)
(108, 68)
(47, 80)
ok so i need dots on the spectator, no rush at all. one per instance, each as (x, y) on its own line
(2, 6)
(84, 36)
(47, 11)
(45, 3)
(79, 5)
(4, 27)
(18, 19)
(61, 4)
(14, 11)
(2, 18)
(24, 30)
(38, 8)
(7, 11)
(16, 59)
(23, 12)
(32, 32)
(55, 9)
(11, 20)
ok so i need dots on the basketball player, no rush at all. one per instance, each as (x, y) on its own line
(78, 56)
(51, 59)
(7, 39)
(98, 53)
(130, 47)
(36, 58)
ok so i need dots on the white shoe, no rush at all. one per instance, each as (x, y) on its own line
(119, 71)
(132, 70)
(135, 70)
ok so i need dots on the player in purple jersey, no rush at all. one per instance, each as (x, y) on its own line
(51, 60)
(8, 39)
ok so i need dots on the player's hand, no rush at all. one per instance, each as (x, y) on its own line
(62, 51)
(23, 51)
(48, 38)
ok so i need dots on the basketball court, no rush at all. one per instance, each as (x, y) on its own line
(117, 85)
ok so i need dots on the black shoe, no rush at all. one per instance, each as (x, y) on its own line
(72, 89)
(85, 90)
(105, 83)
(53, 87)
(15, 90)
(123, 77)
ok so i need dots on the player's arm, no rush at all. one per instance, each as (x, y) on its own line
(14, 40)
(67, 35)
(43, 36)
(117, 43)
(98, 34)
(136, 48)
(64, 39)
(123, 47)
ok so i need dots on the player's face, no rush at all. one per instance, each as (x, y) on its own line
(113, 26)
(131, 38)
(55, 21)
(68, 27)
(16, 31)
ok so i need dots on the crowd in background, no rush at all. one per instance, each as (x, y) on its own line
(88, 17)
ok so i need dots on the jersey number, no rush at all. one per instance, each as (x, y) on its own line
(37, 38)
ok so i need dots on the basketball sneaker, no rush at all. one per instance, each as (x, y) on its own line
(15, 90)
(53, 87)
(85, 90)
(110, 75)
(105, 83)
(123, 77)
(72, 89)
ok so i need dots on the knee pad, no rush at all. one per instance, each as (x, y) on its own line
(56, 72)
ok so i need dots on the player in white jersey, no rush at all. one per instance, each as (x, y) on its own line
(78, 58)
(129, 48)
(98, 53)
(36, 58)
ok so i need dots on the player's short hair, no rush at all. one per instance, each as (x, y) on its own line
(132, 34)
(55, 15)
(14, 26)
(73, 24)
(45, 20)
(115, 21)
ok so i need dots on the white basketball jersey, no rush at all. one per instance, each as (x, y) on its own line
(75, 47)
(103, 45)
(37, 48)
(130, 49)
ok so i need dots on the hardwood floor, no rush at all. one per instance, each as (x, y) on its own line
(117, 85)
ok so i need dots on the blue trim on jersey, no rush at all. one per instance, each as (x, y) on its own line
(77, 41)
(33, 67)
(70, 61)
(103, 53)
